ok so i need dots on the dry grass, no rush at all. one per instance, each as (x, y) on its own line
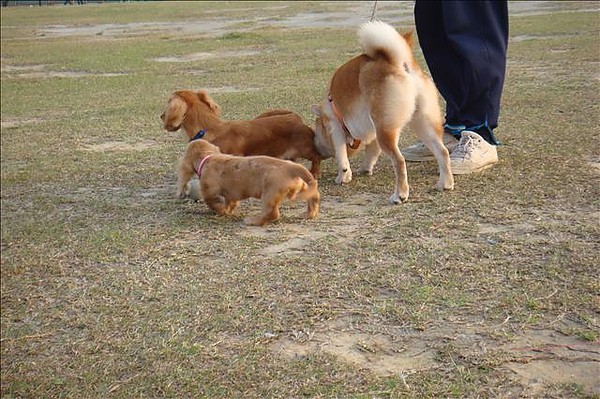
(112, 287)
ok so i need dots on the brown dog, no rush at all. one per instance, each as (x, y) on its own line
(371, 98)
(226, 179)
(277, 133)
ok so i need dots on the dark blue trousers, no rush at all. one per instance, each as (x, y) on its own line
(464, 44)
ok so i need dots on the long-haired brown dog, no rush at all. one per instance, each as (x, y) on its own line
(371, 98)
(277, 133)
(226, 179)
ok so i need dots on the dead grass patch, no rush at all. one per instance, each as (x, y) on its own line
(207, 56)
(120, 146)
(39, 72)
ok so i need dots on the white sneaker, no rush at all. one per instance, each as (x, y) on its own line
(472, 153)
(419, 153)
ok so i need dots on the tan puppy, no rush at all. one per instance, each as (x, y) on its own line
(278, 133)
(371, 98)
(227, 179)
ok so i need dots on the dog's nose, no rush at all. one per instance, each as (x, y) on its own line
(162, 117)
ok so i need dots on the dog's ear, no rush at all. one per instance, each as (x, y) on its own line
(206, 99)
(408, 36)
(182, 98)
(316, 110)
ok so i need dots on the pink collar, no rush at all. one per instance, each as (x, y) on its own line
(201, 165)
(355, 142)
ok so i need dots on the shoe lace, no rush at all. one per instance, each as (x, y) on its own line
(464, 147)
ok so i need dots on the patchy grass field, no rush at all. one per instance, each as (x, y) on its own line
(112, 287)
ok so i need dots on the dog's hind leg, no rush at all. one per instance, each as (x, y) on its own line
(313, 207)
(270, 210)
(312, 197)
(431, 135)
(427, 125)
(391, 107)
(270, 213)
(388, 141)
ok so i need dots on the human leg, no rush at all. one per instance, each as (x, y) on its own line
(464, 44)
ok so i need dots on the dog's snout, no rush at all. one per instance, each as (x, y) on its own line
(162, 117)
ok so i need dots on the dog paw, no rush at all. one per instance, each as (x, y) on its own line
(441, 186)
(255, 221)
(395, 199)
(344, 176)
(309, 215)
(445, 183)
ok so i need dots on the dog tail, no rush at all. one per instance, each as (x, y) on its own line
(380, 39)
(274, 112)
(305, 187)
(307, 190)
(312, 189)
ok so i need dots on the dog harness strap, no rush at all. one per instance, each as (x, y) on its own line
(355, 142)
(199, 135)
(201, 165)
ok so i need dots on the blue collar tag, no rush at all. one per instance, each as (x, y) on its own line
(199, 135)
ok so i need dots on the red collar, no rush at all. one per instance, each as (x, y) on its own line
(355, 142)
(201, 165)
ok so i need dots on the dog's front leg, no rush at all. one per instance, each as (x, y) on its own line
(183, 177)
(215, 202)
(315, 168)
(341, 156)
(231, 205)
(372, 152)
